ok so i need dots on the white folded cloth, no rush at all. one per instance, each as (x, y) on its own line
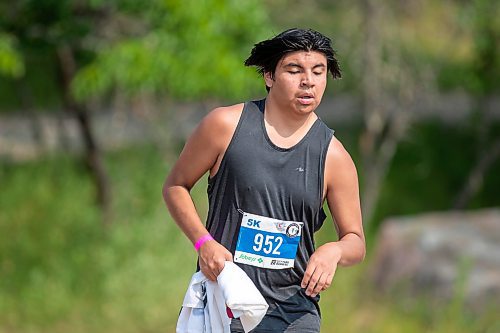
(204, 306)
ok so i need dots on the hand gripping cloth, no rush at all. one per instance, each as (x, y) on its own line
(205, 302)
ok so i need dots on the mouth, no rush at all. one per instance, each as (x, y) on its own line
(305, 99)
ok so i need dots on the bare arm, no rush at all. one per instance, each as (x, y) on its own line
(342, 195)
(202, 152)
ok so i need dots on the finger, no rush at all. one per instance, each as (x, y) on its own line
(217, 271)
(211, 277)
(217, 266)
(208, 273)
(328, 281)
(320, 285)
(221, 263)
(307, 275)
(207, 270)
(313, 281)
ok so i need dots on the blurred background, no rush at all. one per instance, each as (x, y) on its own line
(97, 98)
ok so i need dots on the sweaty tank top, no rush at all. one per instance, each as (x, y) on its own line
(265, 203)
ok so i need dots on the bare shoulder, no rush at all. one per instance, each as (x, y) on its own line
(206, 145)
(223, 119)
(337, 154)
(215, 131)
(339, 163)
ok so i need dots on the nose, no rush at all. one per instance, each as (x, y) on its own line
(307, 80)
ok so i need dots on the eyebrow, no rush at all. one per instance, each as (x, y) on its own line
(293, 64)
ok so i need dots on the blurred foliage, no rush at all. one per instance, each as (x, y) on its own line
(195, 49)
(185, 49)
(11, 63)
(425, 179)
(458, 40)
(58, 268)
(479, 69)
(181, 49)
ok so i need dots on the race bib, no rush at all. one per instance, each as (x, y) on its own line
(266, 242)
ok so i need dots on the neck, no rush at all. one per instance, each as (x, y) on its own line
(285, 122)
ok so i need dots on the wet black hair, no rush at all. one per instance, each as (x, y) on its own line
(265, 55)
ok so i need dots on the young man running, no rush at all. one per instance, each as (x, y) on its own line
(272, 165)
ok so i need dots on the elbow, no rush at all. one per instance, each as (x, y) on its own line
(362, 254)
(166, 191)
(172, 189)
(169, 196)
(362, 248)
(359, 247)
(357, 257)
(353, 250)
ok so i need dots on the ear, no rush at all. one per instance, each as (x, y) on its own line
(269, 79)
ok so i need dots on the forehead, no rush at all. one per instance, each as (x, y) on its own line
(311, 58)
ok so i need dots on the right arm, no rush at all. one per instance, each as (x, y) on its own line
(203, 151)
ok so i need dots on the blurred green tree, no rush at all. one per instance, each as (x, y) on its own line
(482, 81)
(11, 63)
(182, 49)
(57, 28)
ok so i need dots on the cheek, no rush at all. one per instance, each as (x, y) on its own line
(292, 83)
(321, 85)
(287, 86)
(321, 81)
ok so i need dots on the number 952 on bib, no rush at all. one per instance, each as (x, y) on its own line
(266, 242)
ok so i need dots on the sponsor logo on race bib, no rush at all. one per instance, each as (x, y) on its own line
(293, 230)
(249, 259)
(279, 262)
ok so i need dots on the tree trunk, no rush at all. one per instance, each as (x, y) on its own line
(475, 180)
(26, 97)
(383, 129)
(374, 113)
(93, 156)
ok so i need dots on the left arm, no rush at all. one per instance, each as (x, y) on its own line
(342, 195)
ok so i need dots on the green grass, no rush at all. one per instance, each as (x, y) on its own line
(61, 271)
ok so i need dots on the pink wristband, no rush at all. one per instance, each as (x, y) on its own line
(202, 240)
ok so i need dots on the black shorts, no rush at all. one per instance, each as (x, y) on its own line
(307, 323)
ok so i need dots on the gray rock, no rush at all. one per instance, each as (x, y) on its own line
(441, 255)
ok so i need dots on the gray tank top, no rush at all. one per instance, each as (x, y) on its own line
(258, 177)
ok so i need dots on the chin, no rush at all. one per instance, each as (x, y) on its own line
(307, 108)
